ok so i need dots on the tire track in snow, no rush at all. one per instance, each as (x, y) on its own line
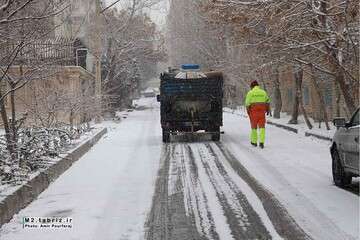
(205, 220)
(284, 224)
(243, 221)
(168, 218)
(198, 197)
(156, 225)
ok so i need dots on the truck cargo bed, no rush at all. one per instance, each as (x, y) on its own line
(189, 105)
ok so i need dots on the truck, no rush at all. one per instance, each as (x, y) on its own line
(191, 101)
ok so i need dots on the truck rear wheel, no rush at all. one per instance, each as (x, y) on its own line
(215, 135)
(165, 136)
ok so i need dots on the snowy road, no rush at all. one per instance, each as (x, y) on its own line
(200, 196)
(131, 186)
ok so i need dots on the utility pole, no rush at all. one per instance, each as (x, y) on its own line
(98, 92)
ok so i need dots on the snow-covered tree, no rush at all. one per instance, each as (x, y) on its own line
(131, 55)
(22, 24)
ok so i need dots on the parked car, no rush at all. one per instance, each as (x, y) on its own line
(345, 150)
(149, 92)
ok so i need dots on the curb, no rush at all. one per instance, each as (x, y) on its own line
(308, 134)
(23, 196)
(291, 129)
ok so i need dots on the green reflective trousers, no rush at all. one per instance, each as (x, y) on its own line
(254, 135)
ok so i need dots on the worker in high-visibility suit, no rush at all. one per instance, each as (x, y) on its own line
(257, 105)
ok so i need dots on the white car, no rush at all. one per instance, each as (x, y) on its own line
(345, 150)
(149, 92)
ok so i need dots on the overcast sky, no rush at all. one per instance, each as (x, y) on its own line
(157, 12)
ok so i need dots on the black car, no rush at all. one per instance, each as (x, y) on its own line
(345, 150)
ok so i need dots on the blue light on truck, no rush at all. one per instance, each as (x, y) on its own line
(190, 67)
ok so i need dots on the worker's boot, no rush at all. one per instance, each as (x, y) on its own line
(254, 144)
(261, 145)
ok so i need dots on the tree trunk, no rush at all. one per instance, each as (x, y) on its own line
(6, 124)
(349, 101)
(338, 98)
(264, 85)
(299, 80)
(298, 103)
(323, 110)
(298, 75)
(277, 95)
(13, 120)
(307, 121)
(71, 119)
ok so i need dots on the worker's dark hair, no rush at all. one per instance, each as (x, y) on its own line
(254, 83)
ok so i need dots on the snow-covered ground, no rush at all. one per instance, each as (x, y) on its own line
(109, 191)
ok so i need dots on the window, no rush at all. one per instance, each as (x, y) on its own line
(306, 96)
(290, 95)
(327, 93)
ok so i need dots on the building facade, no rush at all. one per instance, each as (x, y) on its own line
(59, 71)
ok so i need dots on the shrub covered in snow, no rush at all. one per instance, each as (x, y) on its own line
(36, 149)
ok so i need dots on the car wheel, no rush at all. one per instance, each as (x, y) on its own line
(339, 175)
(165, 136)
